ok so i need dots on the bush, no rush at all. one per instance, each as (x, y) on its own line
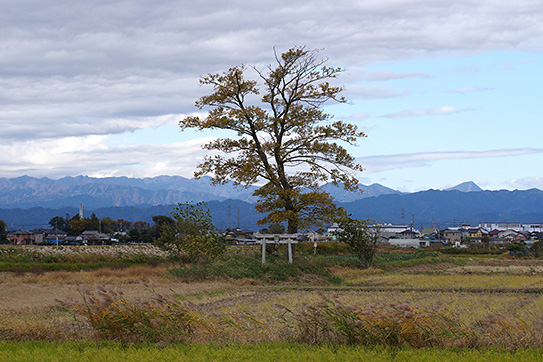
(192, 234)
(494, 250)
(537, 249)
(324, 248)
(343, 260)
(251, 267)
(361, 235)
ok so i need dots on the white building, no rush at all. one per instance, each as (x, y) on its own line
(501, 226)
(410, 243)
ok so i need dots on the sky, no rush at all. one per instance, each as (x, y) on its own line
(446, 91)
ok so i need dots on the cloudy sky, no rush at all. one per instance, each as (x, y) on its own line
(447, 91)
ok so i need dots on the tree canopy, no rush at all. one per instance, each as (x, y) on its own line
(284, 139)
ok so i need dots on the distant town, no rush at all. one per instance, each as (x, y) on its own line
(122, 231)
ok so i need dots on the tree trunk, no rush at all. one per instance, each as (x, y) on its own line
(292, 228)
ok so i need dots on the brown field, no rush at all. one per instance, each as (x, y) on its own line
(508, 293)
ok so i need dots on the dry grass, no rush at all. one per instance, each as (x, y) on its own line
(499, 269)
(450, 280)
(39, 325)
(505, 320)
(244, 312)
(99, 276)
(354, 273)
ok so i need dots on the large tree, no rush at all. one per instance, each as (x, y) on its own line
(287, 141)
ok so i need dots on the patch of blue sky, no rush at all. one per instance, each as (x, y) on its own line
(151, 135)
(489, 95)
(476, 103)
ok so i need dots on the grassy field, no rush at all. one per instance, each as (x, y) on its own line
(111, 352)
(410, 306)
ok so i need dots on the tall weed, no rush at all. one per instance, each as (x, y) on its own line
(114, 317)
(393, 324)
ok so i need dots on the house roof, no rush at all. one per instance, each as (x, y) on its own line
(20, 232)
(408, 232)
(94, 234)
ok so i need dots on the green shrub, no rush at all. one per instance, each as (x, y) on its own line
(192, 235)
(251, 267)
(324, 248)
(392, 257)
(537, 249)
(235, 267)
(343, 260)
(473, 250)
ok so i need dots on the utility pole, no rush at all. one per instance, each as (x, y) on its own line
(229, 217)
(56, 231)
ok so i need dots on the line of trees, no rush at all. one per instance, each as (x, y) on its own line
(139, 231)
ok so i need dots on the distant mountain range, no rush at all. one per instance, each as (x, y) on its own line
(448, 208)
(30, 202)
(27, 192)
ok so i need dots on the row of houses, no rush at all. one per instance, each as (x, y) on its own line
(495, 236)
(55, 236)
(401, 235)
(518, 227)
(407, 236)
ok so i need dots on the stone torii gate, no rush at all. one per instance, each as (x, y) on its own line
(288, 239)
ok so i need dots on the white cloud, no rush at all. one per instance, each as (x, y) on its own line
(526, 183)
(423, 112)
(91, 155)
(378, 76)
(382, 163)
(358, 117)
(469, 89)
